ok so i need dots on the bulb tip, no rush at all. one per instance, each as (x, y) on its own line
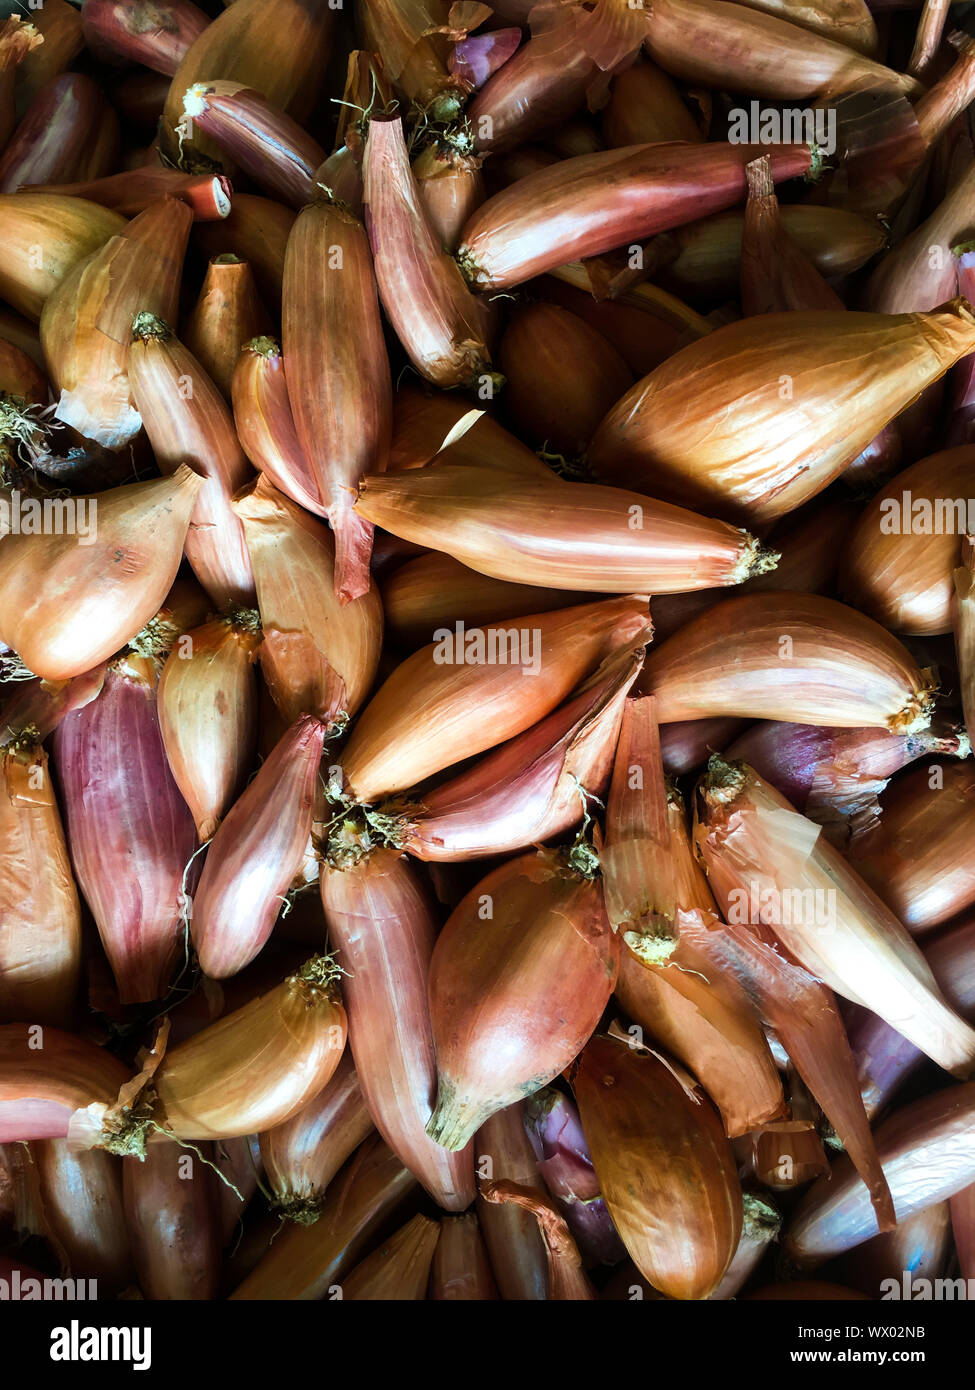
(724, 781)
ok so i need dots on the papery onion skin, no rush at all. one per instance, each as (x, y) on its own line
(451, 187)
(130, 833)
(413, 52)
(172, 1214)
(461, 1268)
(559, 534)
(257, 231)
(594, 203)
(664, 1166)
(227, 314)
(567, 1279)
(46, 1075)
(68, 133)
(305, 1262)
(207, 701)
(116, 582)
(116, 31)
(398, 1269)
(515, 1247)
(645, 107)
(81, 1202)
(132, 190)
(211, 1087)
(69, 229)
(319, 655)
(383, 929)
(928, 1153)
(781, 438)
(418, 723)
(917, 854)
(302, 1155)
(509, 1017)
(256, 852)
(266, 426)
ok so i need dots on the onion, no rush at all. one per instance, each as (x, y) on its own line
(208, 714)
(86, 323)
(342, 401)
(306, 1262)
(594, 203)
(44, 704)
(173, 1218)
(477, 57)
(226, 315)
(60, 27)
(560, 534)
(963, 622)
(779, 439)
(685, 745)
(461, 1269)
(115, 31)
(130, 833)
(450, 185)
(382, 926)
(69, 133)
(256, 852)
(567, 1280)
(517, 1253)
(399, 1269)
(798, 658)
(928, 1155)
(422, 291)
(256, 230)
(645, 107)
(319, 656)
(919, 1247)
(847, 21)
(760, 1226)
(917, 853)
(42, 1087)
(664, 1167)
(16, 41)
(767, 864)
(432, 425)
(133, 190)
(428, 716)
(265, 423)
(40, 946)
(509, 1016)
(80, 1200)
(302, 1155)
(412, 42)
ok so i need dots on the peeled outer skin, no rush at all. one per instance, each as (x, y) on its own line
(928, 1154)
(665, 1168)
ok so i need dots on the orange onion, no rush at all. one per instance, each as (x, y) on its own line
(69, 229)
(567, 1279)
(118, 31)
(594, 203)
(435, 590)
(207, 701)
(664, 1166)
(423, 293)
(256, 230)
(132, 190)
(558, 534)
(769, 865)
(117, 569)
(798, 658)
(519, 978)
(437, 426)
(127, 812)
(461, 1268)
(281, 56)
(398, 1269)
(303, 1155)
(40, 947)
(412, 43)
(963, 623)
(79, 1201)
(450, 186)
(173, 1219)
(196, 426)
(256, 136)
(775, 274)
(916, 854)
(305, 1263)
(530, 789)
(928, 1155)
(265, 423)
(69, 133)
(645, 107)
(835, 776)
(903, 553)
(47, 1076)
(256, 852)
(780, 437)
(382, 927)
(562, 377)
(86, 323)
(516, 1251)
(256, 1067)
(341, 401)
(319, 656)
(430, 714)
(226, 315)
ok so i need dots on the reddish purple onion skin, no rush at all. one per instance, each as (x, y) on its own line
(69, 133)
(883, 1058)
(687, 745)
(130, 833)
(927, 1150)
(919, 1246)
(553, 1126)
(511, 1234)
(478, 57)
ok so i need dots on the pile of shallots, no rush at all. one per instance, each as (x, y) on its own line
(487, 649)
